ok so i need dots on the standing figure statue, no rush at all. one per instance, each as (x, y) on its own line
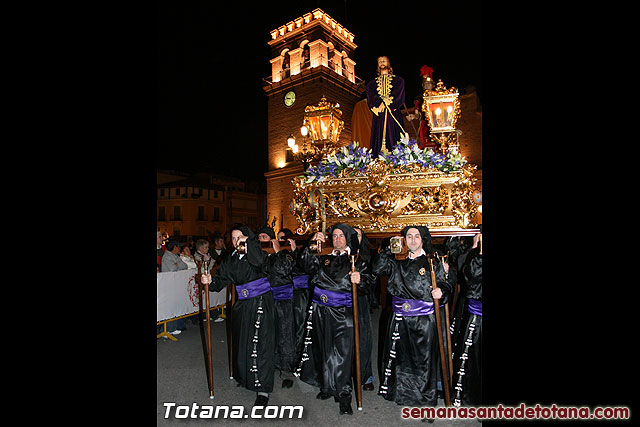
(385, 96)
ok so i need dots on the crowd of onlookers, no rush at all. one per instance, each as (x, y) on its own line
(173, 255)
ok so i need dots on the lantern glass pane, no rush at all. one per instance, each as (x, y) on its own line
(324, 124)
(315, 127)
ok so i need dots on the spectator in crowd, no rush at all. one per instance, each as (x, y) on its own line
(203, 252)
(171, 261)
(185, 255)
(219, 250)
(160, 248)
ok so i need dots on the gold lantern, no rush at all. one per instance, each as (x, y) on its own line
(324, 123)
(320, 133)
(442, 108)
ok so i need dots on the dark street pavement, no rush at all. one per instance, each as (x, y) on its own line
(181, 378)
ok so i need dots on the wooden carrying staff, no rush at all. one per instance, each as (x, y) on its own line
(447, 321)
(231, 288)
(443, 361)
(204, 267)
(354, 296)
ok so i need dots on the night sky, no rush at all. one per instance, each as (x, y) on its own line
(212, 113)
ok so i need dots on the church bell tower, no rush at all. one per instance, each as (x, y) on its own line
(311, 57)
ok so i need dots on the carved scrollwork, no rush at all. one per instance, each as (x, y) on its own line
(384, 198)
(427, 200)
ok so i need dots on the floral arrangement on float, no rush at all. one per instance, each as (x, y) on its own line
(408, 185)
(406, 157)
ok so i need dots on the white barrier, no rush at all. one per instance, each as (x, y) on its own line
(177, 295)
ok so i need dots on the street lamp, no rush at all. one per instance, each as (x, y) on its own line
(305, 153)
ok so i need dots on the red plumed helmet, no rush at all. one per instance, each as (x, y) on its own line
(426, 71)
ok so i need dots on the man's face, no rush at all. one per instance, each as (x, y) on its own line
(281, 235)
(204, 248)
(218, 243)
(383, 63)
(159, 238)
(264, 237)
(414, 240)
(235, 234)
(339, 241)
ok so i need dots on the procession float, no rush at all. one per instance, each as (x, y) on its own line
(405, 186)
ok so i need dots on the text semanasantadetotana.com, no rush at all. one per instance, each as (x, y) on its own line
(519, 412)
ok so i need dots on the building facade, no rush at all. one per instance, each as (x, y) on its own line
(202, 204)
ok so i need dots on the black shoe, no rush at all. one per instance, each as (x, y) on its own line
(345, 405)
(287, 383)
(324, 396)
(261, 400)
(368, 387)
(428, 420)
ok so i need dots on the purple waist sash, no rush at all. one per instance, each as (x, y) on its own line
(475, 306)
(411, 307)
(253, 289)
(301, 282)
(331, 298)
(282, 293)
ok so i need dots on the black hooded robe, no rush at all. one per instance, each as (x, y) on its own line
(410, 361)
(281, 276)
(364, 318)
(467, 363)
(301, 301)
(328, 354)
(301, 298)
(253, 319)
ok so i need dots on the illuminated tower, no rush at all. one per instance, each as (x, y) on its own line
(311, 58)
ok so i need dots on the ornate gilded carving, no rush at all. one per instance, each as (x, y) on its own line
(427, 200)
(384, 197)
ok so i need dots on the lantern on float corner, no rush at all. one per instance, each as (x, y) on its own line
(442, 109)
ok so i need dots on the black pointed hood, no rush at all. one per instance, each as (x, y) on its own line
(350, 236)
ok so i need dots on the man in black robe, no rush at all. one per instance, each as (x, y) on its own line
(280, 265)
(467, 363)
(253, 319)
(410, 359)
(385, 97)
(328, 364)
(301, 293)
